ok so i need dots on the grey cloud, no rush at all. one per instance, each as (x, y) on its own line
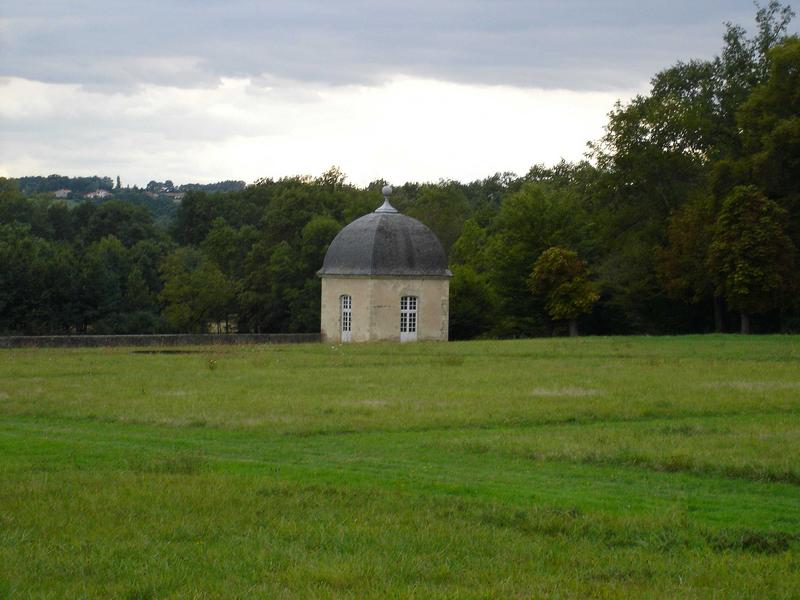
(78, 141)
(579, 44)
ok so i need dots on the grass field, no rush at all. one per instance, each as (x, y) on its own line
(564, 468)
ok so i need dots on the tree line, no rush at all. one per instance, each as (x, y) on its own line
(80, 186)
(684, 218)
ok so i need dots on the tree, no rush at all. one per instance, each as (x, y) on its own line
(469, 248)
(194, 217)
(332, 178)
(147, 255)
(254, 297)
(530, 221)
(37, 282)
(228, 246)
(443, 208)
(286, 282)
(138, 296)
(126, 222)
(659, 150)
(681, 264)
(288, 212)
(560, 277)
(751, 255)
(770, 125)
(315, 238)
(215, 295)
(472, 307)
(196, 292)
(690, 114)
(104, 272)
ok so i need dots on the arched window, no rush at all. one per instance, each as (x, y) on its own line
(346, 309)
(408, 318)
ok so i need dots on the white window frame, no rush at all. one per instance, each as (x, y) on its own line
(345, 318)
(409, 318)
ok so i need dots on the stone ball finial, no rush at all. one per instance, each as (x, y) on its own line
(386, 207)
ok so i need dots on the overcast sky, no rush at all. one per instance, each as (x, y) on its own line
(206, 90)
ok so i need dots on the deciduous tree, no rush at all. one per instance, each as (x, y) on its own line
(751, 255)
(561, 279)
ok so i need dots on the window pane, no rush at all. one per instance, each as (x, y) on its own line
(408, 314)
(346, 304)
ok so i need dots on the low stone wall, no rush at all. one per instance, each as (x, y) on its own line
(92, 341)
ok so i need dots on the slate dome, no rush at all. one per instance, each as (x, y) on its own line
(386, 242)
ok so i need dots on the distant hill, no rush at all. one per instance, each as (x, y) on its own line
(79, 186)
(160, 198)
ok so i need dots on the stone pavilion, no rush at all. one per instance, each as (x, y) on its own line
(385, 277)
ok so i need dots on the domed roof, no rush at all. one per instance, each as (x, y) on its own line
(385, 242)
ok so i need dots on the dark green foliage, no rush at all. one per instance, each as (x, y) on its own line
(37, 282)
(561, 279)
(78, 185)
(196, 292)
(195, 216)
(751, 256)
(469, 248)
(220, 186)
(529, 221)
(681, 264)
(228, 246)
(472, 306)
(83, 269)
(770, 125)
(128, 223)
(443, 208)
(163, 209)
(659, 151)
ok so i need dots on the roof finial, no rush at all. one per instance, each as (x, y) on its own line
(386, 207)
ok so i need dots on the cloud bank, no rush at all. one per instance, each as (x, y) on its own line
(407, 129)
(571, 44)
(202, 90)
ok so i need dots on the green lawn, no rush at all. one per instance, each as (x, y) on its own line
(566, 468)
